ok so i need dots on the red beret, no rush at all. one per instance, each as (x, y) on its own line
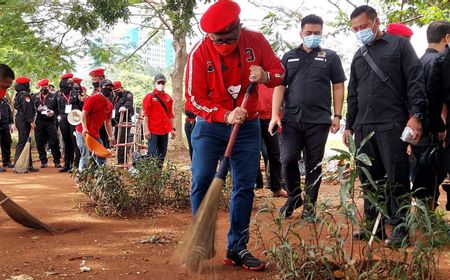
(66, 76)
(399, 29)
(42, 83)
(117, 84)
(77, 80)
(221, 17)
(97, 72)
(22, 80)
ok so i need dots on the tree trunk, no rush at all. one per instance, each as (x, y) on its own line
(179, 44)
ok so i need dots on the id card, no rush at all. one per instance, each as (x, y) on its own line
(68, 108)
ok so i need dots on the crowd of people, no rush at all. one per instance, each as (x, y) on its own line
(297, 102)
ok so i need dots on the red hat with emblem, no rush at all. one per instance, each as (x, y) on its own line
(42, 83)
(399, 29)
(221, 17)
(77, 80)
(117, 84)
(66, 76)
(22, 80)
(99, 72)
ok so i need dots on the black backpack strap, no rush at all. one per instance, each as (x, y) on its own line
(377, 70)
(160, 102)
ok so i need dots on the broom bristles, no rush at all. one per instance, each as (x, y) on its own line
(22, 163)
(22, 216)
(197, 243)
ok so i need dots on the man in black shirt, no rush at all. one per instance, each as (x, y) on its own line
(6, 116)
(306, 91)
(122, 105)
(46, 130)
(25, 116)
(426, 175)
(384, 107)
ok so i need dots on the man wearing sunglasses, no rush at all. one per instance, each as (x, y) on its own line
(219, 71)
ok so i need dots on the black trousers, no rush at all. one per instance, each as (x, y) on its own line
(389, 161)
(122, 156)
(71, 151)
(23, 129)
(272, 146)
(44, 133)
(311, 139)
(188, 128)
(5, 141)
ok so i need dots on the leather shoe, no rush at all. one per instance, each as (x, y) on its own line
(290, 205)
(65, 169)
(8, 165)
(365, 235)
(32, 169)
(44, 165)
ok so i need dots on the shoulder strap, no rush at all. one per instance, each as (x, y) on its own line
(384, 78)
(160, 102)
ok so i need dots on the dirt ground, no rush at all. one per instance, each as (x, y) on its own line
(111, 247)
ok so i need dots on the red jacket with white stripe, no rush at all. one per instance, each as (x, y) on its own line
(205, 88)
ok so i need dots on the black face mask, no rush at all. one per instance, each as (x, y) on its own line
(44, 91)
(106, 92)
(96, 84)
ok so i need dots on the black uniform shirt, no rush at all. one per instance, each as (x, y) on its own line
(123, 99)
(48, 100)
(308, 82)
(370, 100)
(6, 116)
(23, 103)
(70, 99)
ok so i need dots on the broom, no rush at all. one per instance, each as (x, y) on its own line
(23, 162)
(197, 243)
(22, 216)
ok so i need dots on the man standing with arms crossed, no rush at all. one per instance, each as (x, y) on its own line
(306, 91)
(385, 94)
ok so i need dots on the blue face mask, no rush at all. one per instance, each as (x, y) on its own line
(366, 36)
(312, 41)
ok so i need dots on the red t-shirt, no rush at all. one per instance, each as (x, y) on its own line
(98, 109)
(158, 119)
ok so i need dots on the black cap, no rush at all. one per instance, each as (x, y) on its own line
(106, 82)
(159, 78)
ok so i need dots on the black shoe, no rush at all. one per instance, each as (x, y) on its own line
(244, 259)
(8, 165)
(44, 165)
(65, 169)
(2, 169)
(308, 214)
(58, 165)
(365, 235)
(399, 238)
(290, 205)
(32, 169)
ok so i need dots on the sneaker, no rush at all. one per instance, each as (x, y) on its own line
(290, 205)
(32, 169)
(245, 260)
(8, 165)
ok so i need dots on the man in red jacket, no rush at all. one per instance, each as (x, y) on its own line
(219, 70)
(158, 119)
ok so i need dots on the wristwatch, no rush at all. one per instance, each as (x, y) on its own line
(418, 116)
(338, 116)
(174, 129)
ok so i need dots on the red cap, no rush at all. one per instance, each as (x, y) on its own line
(66, 76)
(42, 83)
(221, 17)
(77, 80)
(22, 80)
(399, 29)
(97, 72)
(116, 85)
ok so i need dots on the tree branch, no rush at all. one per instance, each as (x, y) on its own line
(62, 39)
(160, 15)
(143, 44)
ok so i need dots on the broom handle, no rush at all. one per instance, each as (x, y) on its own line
(225, 163)
(236, 127)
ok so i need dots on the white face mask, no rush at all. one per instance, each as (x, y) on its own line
(160, 87)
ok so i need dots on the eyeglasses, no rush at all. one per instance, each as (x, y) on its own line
(225, 41)
(232, 40)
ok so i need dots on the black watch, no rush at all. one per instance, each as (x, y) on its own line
(174, 129)
(338, 116)
(418, 116)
